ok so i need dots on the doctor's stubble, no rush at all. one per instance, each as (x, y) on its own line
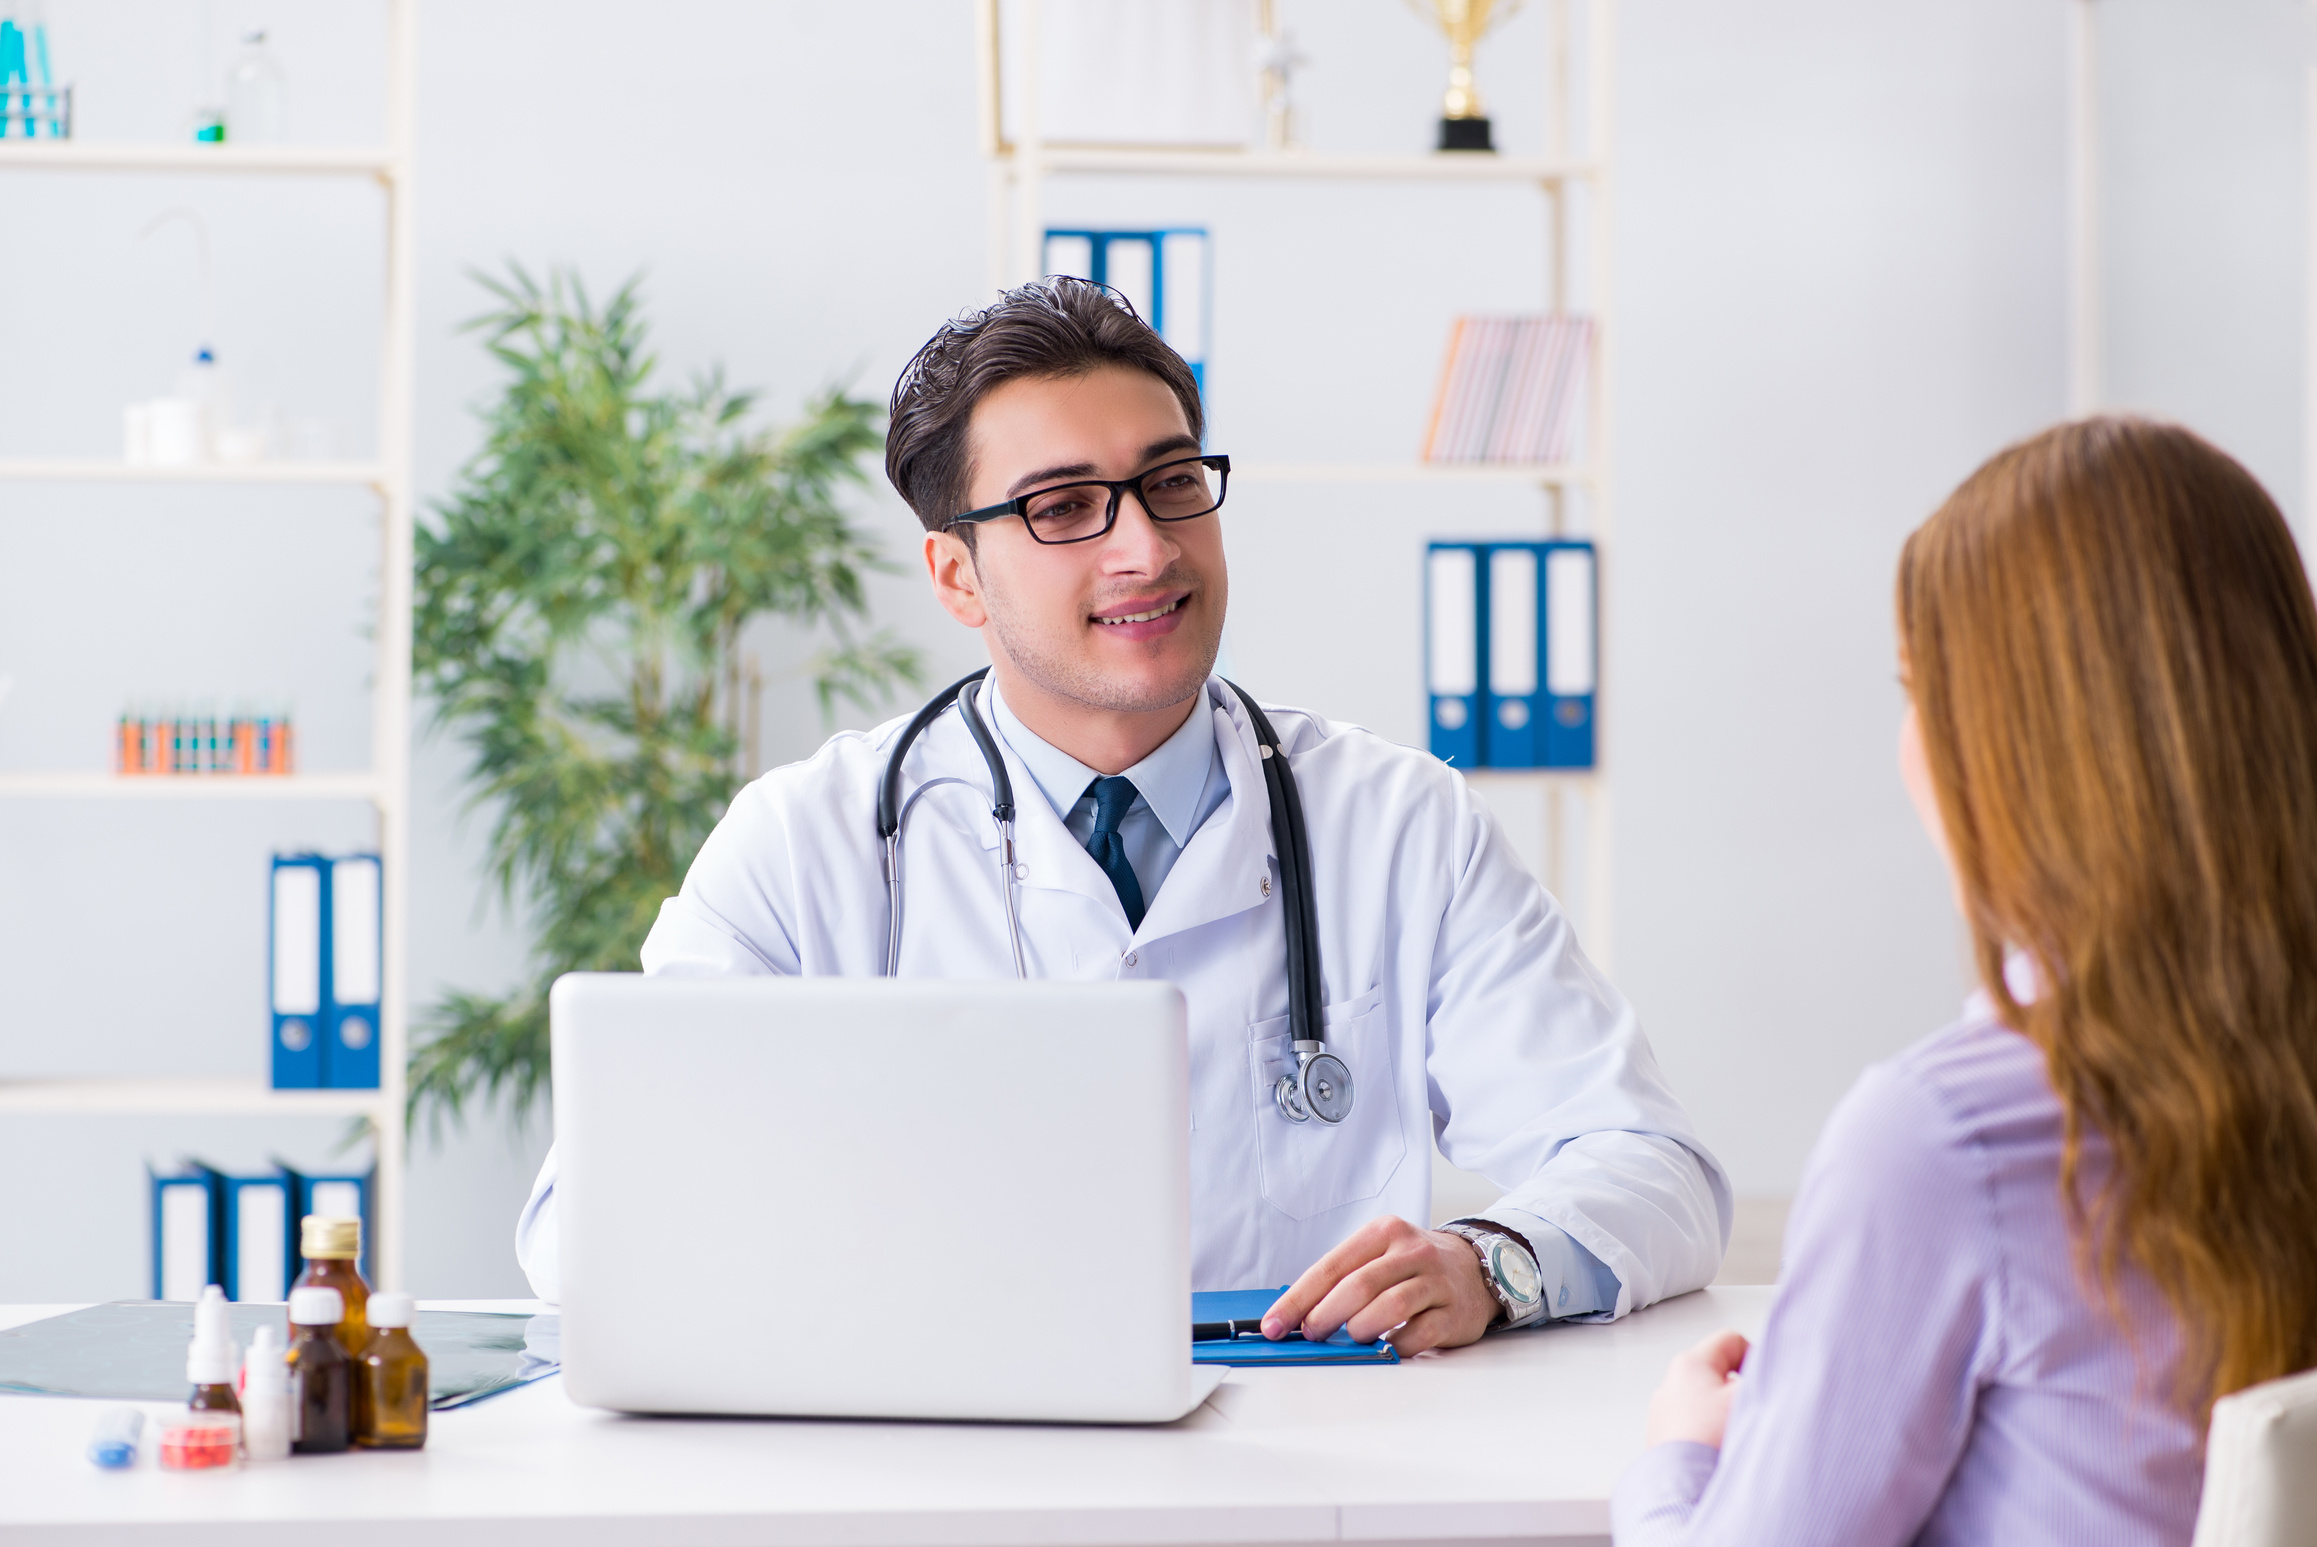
(1057, 668)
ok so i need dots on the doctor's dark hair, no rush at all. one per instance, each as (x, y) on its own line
(1050, 327)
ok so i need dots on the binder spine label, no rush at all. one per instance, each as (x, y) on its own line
(1453, 620)
(299, 990)
(355, 973)
(1511, 652)
(1512, 657)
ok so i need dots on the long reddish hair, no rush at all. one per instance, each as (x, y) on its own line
(2112, 652)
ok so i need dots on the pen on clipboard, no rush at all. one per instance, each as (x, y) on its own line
(1225, 1331)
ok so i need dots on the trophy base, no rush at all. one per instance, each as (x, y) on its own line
(1465, 134)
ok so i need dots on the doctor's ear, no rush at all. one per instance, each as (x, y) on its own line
(956, 584)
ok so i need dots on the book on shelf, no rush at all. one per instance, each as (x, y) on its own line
(203, 742)
(1510, 389)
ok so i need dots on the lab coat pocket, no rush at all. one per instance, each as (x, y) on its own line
(1312, 1167)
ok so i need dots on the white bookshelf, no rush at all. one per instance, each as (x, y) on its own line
(385, 164)
(195, 787)
(1312, 164)
(1022, 166)
(371, 475)
(189, 1095)
(385, 785)
(1543, 474)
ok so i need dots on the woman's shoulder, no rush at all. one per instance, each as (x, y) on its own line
(1951, 1104)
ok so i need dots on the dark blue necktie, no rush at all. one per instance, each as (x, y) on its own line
(1112, 797)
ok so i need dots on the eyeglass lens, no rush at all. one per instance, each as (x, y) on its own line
(1076, 512)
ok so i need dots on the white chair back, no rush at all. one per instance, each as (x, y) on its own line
(2260, 1467)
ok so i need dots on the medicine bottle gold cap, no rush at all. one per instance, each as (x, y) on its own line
(330, 1235)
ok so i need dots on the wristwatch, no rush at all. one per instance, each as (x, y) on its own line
(1509, 1267)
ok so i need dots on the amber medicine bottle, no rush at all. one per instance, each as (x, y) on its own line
(390, 1380)
(330, 1244)
(321, 1376)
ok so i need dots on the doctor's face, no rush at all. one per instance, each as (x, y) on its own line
(1128, 622)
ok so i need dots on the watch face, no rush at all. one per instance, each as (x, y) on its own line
(1515, 1272)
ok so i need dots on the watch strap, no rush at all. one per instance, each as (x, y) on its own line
(1478, 1233)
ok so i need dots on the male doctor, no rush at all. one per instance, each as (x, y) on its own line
(1051, 445)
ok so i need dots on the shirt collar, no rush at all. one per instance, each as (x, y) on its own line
(1172, 780)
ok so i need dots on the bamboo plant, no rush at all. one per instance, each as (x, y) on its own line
(581, 603)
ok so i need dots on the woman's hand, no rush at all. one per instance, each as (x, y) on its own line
(1693, 1402)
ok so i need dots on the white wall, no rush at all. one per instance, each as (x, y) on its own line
(2205, 214)
(1839, 285)
(1841, 249)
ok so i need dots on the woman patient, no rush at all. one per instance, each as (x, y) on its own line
(2031, 1250)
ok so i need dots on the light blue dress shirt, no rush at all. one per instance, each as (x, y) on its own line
(1177, 788)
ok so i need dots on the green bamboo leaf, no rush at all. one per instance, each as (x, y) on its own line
(580, 600)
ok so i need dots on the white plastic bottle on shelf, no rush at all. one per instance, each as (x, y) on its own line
(254, 90)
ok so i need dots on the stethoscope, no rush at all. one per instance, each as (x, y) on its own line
(1321, 1086)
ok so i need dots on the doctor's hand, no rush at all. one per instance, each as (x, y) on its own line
(1693, 1402)
(1387, 1273)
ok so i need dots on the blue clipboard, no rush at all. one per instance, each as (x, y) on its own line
(1249, 1305)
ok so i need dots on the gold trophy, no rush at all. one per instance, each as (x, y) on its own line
(1463, 123)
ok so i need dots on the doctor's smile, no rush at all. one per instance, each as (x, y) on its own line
(1133, 625)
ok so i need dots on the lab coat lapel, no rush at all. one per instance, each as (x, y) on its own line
(1050, 859)
(1225, 868)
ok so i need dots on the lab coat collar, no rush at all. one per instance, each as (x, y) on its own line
(1171, 781)
(1225, 869)
(1227, 866)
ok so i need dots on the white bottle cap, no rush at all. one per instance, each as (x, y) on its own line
(265, 1361)
(317, 1305)
(390, 1309)
(212, 1358)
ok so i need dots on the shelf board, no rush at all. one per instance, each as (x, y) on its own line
(292, 160)
(1488, 776)
(184, 1095)
(1450, 167)
(97, 786)
(1558, 474)
(96, 470)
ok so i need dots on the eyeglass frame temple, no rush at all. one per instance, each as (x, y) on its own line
(1019, 505)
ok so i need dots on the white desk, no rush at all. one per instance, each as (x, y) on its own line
(1518, 1438)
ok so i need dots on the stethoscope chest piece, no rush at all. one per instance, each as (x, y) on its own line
(1321, 1088)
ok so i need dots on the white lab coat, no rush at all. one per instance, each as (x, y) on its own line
(1455, 989)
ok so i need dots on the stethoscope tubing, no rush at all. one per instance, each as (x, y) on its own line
(1299, 914)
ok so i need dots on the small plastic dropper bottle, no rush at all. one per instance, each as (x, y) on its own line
(211, 1361)
(265, 1398)
(321, 1376)
(390, 1381)
(330, 1243)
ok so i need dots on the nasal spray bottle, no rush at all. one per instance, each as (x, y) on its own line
(213, 1360)
(265, 1398)
(208, 1433)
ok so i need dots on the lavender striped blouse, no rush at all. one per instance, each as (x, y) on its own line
(1933, 1370)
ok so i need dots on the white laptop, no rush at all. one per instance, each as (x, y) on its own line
(871, 1199)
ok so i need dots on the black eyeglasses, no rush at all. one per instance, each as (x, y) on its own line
(1082, 511)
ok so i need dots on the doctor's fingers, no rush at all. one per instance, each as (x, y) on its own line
(1371, 1241)
(1410, 1275)
(1436, 1328)
(1368, 1244)
(1404, 1303)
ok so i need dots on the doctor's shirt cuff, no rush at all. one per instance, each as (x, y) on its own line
(1576, 1283)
